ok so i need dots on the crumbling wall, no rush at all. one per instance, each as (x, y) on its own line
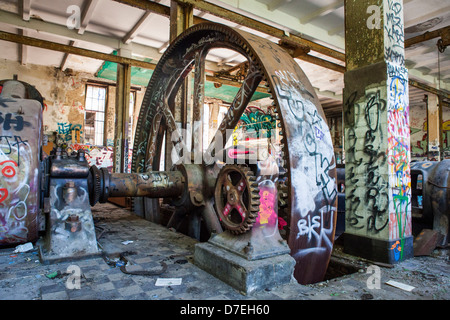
(64, 110)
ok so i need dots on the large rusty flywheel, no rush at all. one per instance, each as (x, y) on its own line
(306, 179)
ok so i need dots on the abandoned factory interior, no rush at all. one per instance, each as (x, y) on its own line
(224, 150)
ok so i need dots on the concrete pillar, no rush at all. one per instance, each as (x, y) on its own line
(433, 127)
(377, 136)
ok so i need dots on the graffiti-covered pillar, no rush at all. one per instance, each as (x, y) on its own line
(377, 134)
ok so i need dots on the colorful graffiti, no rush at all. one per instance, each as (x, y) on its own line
(399, 153)
(268, 202)
(69, 131)
(419, 139)
(257, 123)
(19, 181)
(378, 152)
(100, 156)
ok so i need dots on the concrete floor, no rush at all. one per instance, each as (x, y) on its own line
(146, 246)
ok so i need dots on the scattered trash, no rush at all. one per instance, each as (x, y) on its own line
(400, 285)
(366, 296)
(127, 242)
(162, 282)
(334, 294)
(120, 263)
(53, 275)
(24, 247)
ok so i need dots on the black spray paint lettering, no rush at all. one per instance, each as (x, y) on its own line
(372, 157)
(15, 123)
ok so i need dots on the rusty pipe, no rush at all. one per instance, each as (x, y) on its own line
(153, 184)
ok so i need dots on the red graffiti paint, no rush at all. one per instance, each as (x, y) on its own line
(9, 171)
(3, 194)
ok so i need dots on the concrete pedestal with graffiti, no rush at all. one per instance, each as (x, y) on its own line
(377, 135)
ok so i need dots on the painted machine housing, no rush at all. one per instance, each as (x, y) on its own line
(21, 133)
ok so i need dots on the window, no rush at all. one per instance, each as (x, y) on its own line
(94, 122)
(130, 117)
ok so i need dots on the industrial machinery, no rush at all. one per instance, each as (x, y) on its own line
(237, 199)
(430, 201)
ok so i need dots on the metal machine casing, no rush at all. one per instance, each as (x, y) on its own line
(20, 156)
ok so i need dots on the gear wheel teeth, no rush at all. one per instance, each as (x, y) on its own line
(245, 46)
(95, 185)
(236, 187)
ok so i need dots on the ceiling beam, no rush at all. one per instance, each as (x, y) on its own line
(442, 32)
(428, 88)
(236, 18)
(73, 50)
(247, 22)
(64, 60)
(143, 21)
(62, 31)
(322, 11)
(262, 27)
(25, 9)
(137, 28)
(43, 44)
(426, 17)
(301, 53)
(24, 12)
(442, 70)
(86, 15)
(275, 4)
(23, 49)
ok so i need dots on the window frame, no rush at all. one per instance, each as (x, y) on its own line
(91, 110)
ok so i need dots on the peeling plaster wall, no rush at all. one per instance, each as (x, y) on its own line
(64, 95)
(64, 98)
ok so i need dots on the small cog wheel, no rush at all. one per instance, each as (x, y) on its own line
(237, 198)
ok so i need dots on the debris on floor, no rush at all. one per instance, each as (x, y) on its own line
(157, 254)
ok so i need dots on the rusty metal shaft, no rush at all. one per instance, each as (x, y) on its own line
(154, 184)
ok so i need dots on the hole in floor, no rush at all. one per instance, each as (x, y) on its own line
(338, 268)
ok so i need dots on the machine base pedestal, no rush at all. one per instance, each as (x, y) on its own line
(247, 276)
(47, 259)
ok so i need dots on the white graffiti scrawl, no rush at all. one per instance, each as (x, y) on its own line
(311, 163)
